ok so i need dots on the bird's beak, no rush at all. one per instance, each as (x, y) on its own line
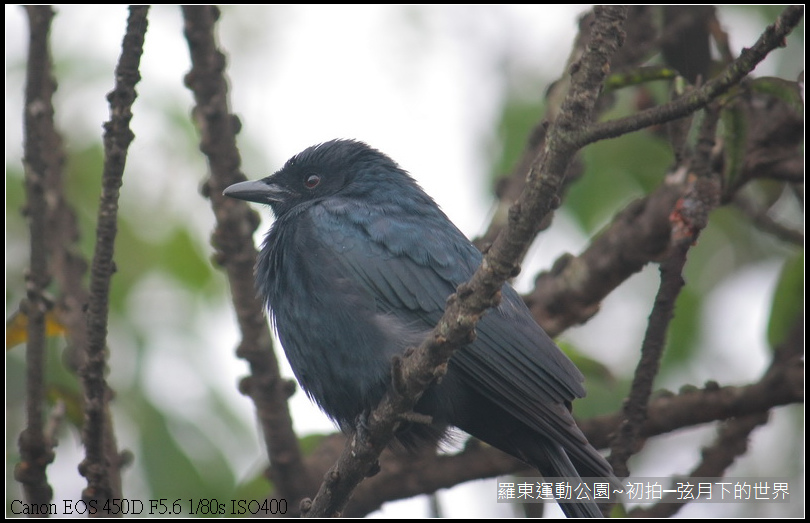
(257, 191)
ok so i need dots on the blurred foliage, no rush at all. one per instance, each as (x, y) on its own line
(788, 299)
(518, 117)
(169, 468)
(622, 169)
(17, 328)
(604, 389)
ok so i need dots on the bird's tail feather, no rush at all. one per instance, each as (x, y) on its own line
(561, 466)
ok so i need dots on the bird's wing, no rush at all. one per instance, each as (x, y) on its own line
(408, 267)
(412, 264)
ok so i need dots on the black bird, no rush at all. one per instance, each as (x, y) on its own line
(357, 267)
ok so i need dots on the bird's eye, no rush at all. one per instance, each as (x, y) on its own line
(312, 181)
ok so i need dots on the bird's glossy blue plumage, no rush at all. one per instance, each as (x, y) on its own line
(358, 266)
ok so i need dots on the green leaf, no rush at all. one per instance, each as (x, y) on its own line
(310, 443)
(183, 259)
(173, 469)
(616, 172)
(684, 329)
(605, 392)
(735, 137)
(256, 488)
(788, 299)
(517, 120)
(780, 88)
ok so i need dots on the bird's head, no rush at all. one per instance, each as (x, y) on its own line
(346, 167)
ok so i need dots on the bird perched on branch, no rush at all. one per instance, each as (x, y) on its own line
(357, 267)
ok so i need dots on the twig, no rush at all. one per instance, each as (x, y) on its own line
(571, 292)
(233, 240)
(403, 475)
(772, 38)
(785, 374)
(635, 410)
(117, 137)
(732, 442)
(764, 222)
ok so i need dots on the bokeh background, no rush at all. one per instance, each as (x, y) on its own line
(450, 92)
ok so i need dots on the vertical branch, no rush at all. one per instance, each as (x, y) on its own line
(117, 137)
(36, 453)
(690, 216)
(233, 241)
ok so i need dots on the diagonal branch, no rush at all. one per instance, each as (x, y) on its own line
(414, 373)
(571, 292)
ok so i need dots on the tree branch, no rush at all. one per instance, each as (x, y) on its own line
(761, 219)
(235, 252)
(570, 293)
(117, 137)
(772, 38)
(403, 475)
(732, 442)
(689, 218)
(35, 451)
(640, 33)
(782, 384)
